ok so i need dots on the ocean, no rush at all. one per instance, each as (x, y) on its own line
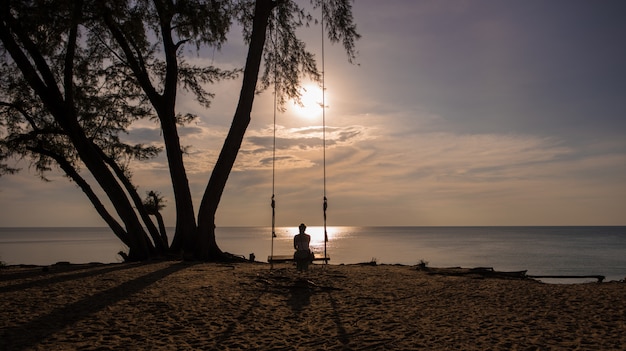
(539, 250)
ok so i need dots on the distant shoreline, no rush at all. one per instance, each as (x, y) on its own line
(540, 250)
(357, 226)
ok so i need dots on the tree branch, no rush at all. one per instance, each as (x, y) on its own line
(70, 53)
(134, 63)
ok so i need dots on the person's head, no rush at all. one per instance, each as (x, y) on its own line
(302, 228)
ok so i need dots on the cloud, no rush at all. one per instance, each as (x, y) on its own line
(295, 147)
(144, 135)
(458, 114)
(446, 178)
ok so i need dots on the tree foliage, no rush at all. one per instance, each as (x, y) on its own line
(76, 74)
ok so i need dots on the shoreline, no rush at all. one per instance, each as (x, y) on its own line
(172, 305)
(485, 272)
(541, 252)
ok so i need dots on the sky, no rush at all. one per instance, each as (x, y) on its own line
(456, 113)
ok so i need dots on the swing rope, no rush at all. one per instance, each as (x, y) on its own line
(325, 205)
(325, 199)
(274, 145)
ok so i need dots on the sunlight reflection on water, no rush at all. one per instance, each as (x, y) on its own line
(540, 250)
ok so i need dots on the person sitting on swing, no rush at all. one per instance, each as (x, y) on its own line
(302, 256)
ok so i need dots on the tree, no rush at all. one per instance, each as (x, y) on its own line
(51, 111)
(154, 203)
(130, 53)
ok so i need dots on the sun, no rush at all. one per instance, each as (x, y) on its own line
(311, 102)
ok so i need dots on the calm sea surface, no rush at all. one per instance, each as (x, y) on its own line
(540, 250)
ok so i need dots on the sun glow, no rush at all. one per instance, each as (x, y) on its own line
(310, 102)
(317, 234)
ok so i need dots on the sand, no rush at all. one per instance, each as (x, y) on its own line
(246, 306)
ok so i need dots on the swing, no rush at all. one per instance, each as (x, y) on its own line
(315, 256)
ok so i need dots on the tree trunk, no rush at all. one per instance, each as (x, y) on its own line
(160, 245)
(206, 248)
(45, 85)
(185, 234)
(161, 223)
(164, 105)
(185, 216)
(84, 186)
(139, 245)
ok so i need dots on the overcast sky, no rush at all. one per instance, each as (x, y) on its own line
(457, 113)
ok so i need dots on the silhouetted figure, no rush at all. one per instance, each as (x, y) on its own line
(302, 256)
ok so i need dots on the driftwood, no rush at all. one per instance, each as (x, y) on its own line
(599, 277)
(483, 272)
(488, 272)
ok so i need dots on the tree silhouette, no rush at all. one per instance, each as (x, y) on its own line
(90, 68)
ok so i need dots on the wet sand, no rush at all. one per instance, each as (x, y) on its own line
(245, 306)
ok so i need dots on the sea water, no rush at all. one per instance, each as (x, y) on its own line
(539, 250)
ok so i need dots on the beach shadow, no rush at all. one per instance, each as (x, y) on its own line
(342, 334)
(51, 276)
(302, 289)
(241, 318)
(46, 325)
(25, 271)
(299, 295)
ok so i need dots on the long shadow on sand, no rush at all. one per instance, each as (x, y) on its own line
(299, 296)
(34, 271)
(27, 335)
(55, 275)
(231, 329)
(342, 334)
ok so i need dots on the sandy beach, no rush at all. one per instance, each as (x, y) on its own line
(248, 306)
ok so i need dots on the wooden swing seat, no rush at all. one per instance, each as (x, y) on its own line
(289, 258)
